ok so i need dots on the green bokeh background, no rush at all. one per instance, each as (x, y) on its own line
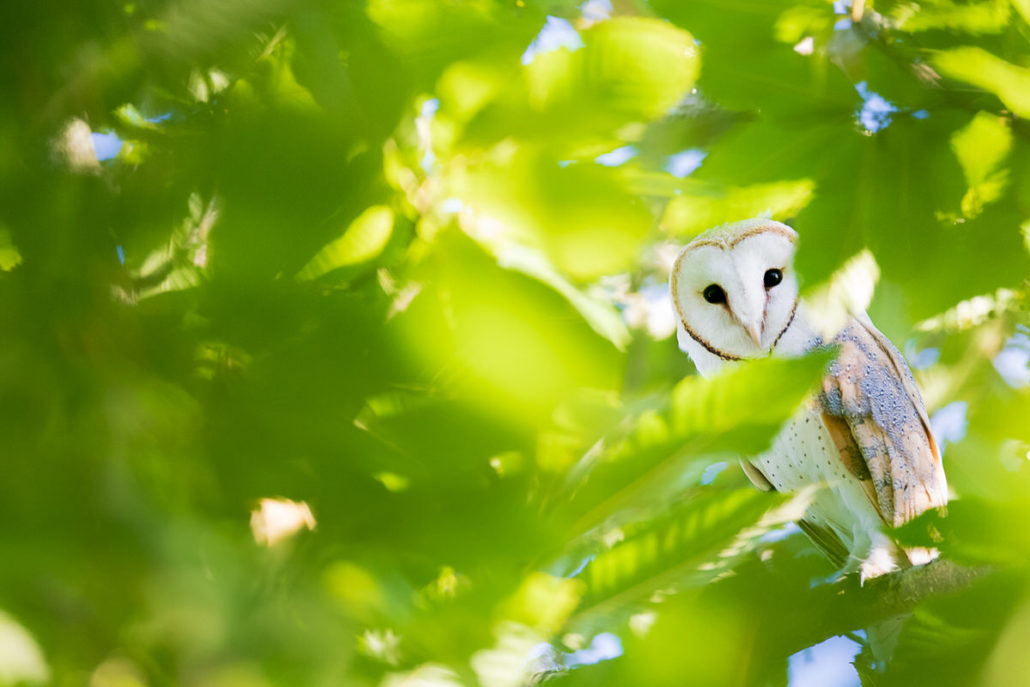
(361, 255)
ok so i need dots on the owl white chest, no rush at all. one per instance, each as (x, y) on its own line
(803, 454)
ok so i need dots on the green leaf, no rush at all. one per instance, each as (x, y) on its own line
(688, 546)
(973, 531)
(9, 255)
(981, 148)
(980, 68)
(749, 67)
(629, 70)
(688, 215)
(600, 314)
(761, 393)
(637, 67)
(937, 15)
(580, 215)
(362, 242)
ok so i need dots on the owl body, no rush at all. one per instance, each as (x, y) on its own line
(864, 437)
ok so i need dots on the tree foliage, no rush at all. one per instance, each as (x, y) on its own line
(335, 347)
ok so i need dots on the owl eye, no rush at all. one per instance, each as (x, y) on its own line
(713, 293)
(773, 277)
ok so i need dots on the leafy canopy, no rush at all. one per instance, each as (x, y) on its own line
(336, 349)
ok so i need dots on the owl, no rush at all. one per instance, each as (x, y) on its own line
(863, 437)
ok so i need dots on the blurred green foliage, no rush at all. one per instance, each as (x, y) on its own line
(350, 364)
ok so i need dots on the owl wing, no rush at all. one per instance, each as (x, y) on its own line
(872, 408)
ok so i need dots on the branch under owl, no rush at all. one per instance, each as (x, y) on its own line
(849, 608)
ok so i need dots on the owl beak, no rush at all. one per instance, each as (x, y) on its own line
(753, 329)
(755, 332)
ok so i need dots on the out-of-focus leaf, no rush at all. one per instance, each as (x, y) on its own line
(976, 66)
(429, 35)
(579, 215)
(363, 241)
(849, 290)
(9, 255)
(700, 539)
(508, 336)
(748, 67)
(637, 67)
(761, 393)
(543, 602)
(801, 21)
(981, 148)
(650, 460)
(688, 215)
(971, 312)
(663, 185)
(21, 659)
(905, 176)
(991, 16)
(601, 315)
(974, 532)
(1023, 7)
(1008, 663)
(629, 70)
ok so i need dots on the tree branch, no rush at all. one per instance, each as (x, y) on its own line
(850, 606)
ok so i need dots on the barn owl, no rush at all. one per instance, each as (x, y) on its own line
(864, 436)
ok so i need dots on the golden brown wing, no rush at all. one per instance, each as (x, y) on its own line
(872, 409)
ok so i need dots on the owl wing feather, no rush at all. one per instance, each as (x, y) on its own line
(826, 540)
(872, 408)
(757, 477)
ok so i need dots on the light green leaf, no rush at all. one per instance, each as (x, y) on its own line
(21, 659)
(9, 255)
(932, 15)
(364, 240)
(802, 20)
(637, 65)
(849, 290)
(630, 69)
(1023, 7)
(981, 148)
(665, 185)
(580, 215)
(980, 68)
(689, 215)
(601, 315)
(692, 545)
(757, 393)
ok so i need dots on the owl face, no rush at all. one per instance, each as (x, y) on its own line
(735, 290)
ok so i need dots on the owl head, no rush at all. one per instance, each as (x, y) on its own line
(734, 290)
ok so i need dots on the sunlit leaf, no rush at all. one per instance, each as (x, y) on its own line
(759, 393)
(543, 602)
(637, 66)
(363, 241)
(579, 215)
(21, 658)
(688, 215)
(978, 67)
(630, 69)
(849, 290)
(982, 147)
(689, 546)
(601, 315)
(991, 16)
(749, 67)
(9, 255)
